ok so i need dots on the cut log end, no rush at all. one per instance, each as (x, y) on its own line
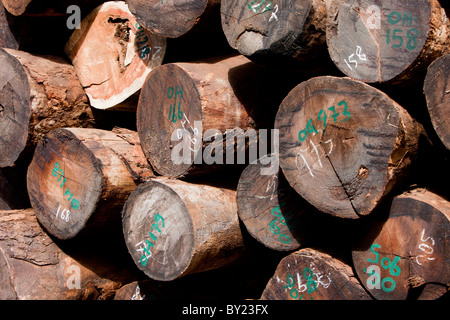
(170, 19)
(119, 67)
(344, 141)
(437, 93)
(172, 88)
(273, 213)
(15, 111)
(407, 251)
(311, 275)
(385, 42)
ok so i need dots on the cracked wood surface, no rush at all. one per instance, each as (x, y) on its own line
(344, 145)
(113, 73)
(79, 179)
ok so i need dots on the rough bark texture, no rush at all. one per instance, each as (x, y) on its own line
(344, 145)
(174, 228)
(308, 274)
(79, 179)
(273, 212)
(112, 74)
(437, 93)
(49, 96)
(34, 267)
(220, 94)
(389, 41)
(408, 251)
(172, 19)
(270, 32)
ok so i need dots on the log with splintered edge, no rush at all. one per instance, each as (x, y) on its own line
(37, 95)
(267, 31)
(408, 250)
(389, 41)
(309, 274)
(79, 179)
(172, 19)
(270, 209)
(186, 109)
(173, 228)
(112, 55)
(437, 92)
(34, 267)
(344, 145)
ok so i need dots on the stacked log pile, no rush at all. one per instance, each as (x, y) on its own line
(282, 150)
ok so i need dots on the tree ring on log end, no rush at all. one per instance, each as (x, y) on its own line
(158, 231)
(169, 106)
(64, 182)
(15, 111)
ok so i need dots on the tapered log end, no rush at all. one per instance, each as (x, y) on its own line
(15, 109)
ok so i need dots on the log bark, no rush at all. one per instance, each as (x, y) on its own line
(273, 212)
(344, 145)
(408, 250)
(279, 31)
(34, 267)
(8, 39)
(388, 42)
(309, 274)
(184, 107)
(172, 19)
(80, 178)
(39, 94)
(113, 76)
(174, 228)
(437, 92)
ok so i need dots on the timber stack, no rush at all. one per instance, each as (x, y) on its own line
(282, 150)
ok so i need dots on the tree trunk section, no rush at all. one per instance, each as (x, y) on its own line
(390, 42)
(113, 76)
(308, 274)
(279, 31)
(39, 94)
(183, 105)
(437, 93)
(33, 266)
(344, 145)
(174, 228)
(407, 251)
(172, 19)
(273, 212)
(79, 179)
